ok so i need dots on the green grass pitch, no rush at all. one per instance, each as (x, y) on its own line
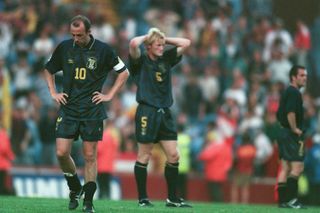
(46, 205)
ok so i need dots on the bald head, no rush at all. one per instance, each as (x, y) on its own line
(80, 30)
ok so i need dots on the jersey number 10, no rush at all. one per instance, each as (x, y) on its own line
(80, 73)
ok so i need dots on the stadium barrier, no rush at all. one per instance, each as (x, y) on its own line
(49, 182)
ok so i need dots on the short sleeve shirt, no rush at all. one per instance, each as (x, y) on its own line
(153, 78)
(84, 72)
(291, 101)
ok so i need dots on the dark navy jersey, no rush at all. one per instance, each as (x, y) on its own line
(291, 101)
(153, 78)
(84, 72)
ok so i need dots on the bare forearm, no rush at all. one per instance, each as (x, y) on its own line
(137, 41)
(50, 82)
(134, 50)
(121, 79)
(293, 124)
(179, 42)
(292, 120)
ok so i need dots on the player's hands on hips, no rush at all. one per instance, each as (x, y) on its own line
(99, 97)
(297, 131)
(60, 98)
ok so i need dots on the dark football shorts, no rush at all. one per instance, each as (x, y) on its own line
(154, 124)
(72, 129)
(291, 146)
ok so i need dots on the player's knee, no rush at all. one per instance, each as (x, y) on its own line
(89, 157)
(61, 154)
(285, 170)
(297, 171)
(174, 157)
(144, 157)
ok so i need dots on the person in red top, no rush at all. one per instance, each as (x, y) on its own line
(217, 158)
(302, 42)
(6, 157)
(106, 155)
(245, 155)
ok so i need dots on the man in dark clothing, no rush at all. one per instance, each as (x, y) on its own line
(85, 63)
(151, 72)
(290, 139)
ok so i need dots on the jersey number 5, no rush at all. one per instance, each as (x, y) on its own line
(158, 76)
(144, 121)
(80, 73)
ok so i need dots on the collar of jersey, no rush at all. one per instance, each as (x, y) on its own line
(153, 61)
(88, 46)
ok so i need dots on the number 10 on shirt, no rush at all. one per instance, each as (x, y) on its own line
(80, 73)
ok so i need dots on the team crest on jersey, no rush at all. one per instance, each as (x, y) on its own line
(91, 63)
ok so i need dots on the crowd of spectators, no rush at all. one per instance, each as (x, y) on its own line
(228, 84)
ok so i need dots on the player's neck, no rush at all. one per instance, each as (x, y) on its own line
(152, 56)
(295, 85)
(88, 40)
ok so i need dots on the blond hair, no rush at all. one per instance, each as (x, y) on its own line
(153, 35)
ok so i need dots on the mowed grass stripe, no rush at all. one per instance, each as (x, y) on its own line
(10, 204)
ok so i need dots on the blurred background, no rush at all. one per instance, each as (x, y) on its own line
(226, 92)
